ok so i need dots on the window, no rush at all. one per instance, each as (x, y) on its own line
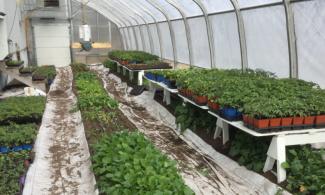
(51, 3)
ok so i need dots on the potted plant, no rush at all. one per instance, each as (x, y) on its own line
(256, 116)
(298, 113)
(14, 63)
(318, 98)
(27, 71)
(42, 73)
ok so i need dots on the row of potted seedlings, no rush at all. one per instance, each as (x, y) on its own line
(262, 101)
(131, 57)
(14, 63)
(18, 119)
(138, 60)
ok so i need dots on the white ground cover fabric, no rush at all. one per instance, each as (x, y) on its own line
(62, 160)
(225, 176)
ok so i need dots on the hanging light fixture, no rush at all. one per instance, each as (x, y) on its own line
(85, 31)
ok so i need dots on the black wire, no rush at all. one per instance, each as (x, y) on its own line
(13, 22)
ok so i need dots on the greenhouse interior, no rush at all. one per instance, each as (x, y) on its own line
(162, 97)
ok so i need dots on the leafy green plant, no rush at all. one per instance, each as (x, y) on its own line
(11, 168)
(93, 100)
(22, 110)
(254, 92)
(249, 151)
(127, 163)
(306, 170)
(16, 135)
(194, 118)
(132, 56)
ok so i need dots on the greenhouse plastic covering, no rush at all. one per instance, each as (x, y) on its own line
(281, 36)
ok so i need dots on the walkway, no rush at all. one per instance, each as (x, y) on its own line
(62, 159)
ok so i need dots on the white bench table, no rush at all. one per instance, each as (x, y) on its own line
(153, 85)
(280, 140)
(277, 148)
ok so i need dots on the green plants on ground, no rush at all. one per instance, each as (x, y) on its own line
(93, 100)
(249, 151)
(190, 117)
(21, 110)
(306, 170)
(44, 72)
(16, 135)
(127, 163)
(11, 168)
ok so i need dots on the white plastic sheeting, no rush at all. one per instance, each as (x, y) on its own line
(226, 40)
(146, 38)
(252, 3)
(267, 44)
(155, 39)
(199, 37)
(166, 41)
(139, 41)
(62, 160)
(181, 42)
(264, 32)
(310, 30)
(215, 6)
(132, 38)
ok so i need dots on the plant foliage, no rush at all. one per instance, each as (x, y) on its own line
(249, 151)
(16, 135)
(191, 117)
(254, 92)
(11, 168)
(306, 170)
(132, 56)
(45, 72)
(22, 110)
(93, 100)
(127, 163)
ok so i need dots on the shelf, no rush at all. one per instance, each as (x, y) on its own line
(240, 125)
(162, 85)
(190, 101)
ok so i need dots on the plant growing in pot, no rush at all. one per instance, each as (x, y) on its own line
(27, 71)
(199, 88)
(44, 72)
(255, 116)
(14, 63)
(287, 113)
(170, 78)
(320, 108)
(214, 91)
(317, 105)
(298, 112)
